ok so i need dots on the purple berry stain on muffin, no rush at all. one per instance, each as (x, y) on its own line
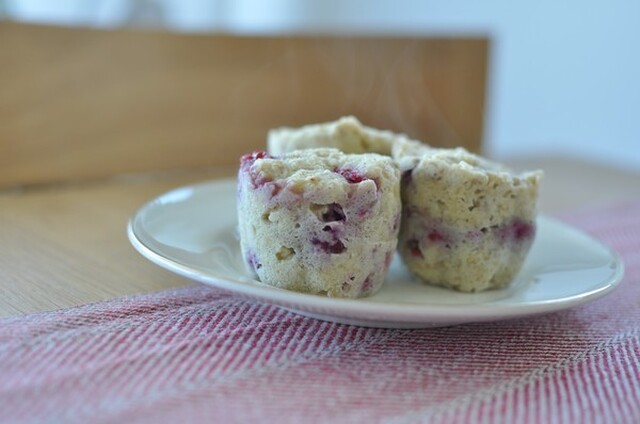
(367, 284)
(252, 260)
(334, 247)
(352, 176)
(306, 215)
(414, 248)
(335, 230)
(522, 230)
(517, 231)
(249, 159)
(257, 179)
(436, 236)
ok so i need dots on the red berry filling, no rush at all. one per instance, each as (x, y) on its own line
(354, 177)
(367, 284)
(335, 230)
(522, 230)
(516, 231)
(257, 178)
(334, 247)
(414, 248)
(252, 260)
(351, 175)
(435, 236)
(250, 158)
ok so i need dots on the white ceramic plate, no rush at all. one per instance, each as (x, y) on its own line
(192, 232)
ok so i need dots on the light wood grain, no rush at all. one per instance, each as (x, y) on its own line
(79, 104)
(65, 246)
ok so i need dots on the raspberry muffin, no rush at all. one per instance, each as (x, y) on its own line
(467, 223)
(346, 134)
(319, 221)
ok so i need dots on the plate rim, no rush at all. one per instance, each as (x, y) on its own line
(399, 313)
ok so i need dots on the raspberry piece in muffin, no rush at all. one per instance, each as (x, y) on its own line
(467, 223)
(319, 221)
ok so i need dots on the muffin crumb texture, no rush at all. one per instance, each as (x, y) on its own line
(467, 223)
(324, 210)
(319, 221)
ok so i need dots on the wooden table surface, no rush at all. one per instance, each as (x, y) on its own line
(64, 245)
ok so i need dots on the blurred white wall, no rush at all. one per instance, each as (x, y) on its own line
(565, 76)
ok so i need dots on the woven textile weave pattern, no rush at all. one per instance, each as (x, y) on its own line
(198, 354)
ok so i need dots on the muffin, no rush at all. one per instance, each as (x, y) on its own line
(319, 221)
(467, 223)
(346, 134)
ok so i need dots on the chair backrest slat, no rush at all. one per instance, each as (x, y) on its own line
(79, 104)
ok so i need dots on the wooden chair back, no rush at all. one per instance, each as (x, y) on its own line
(78, 104)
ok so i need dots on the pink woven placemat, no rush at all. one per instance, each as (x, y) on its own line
(199, 355)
